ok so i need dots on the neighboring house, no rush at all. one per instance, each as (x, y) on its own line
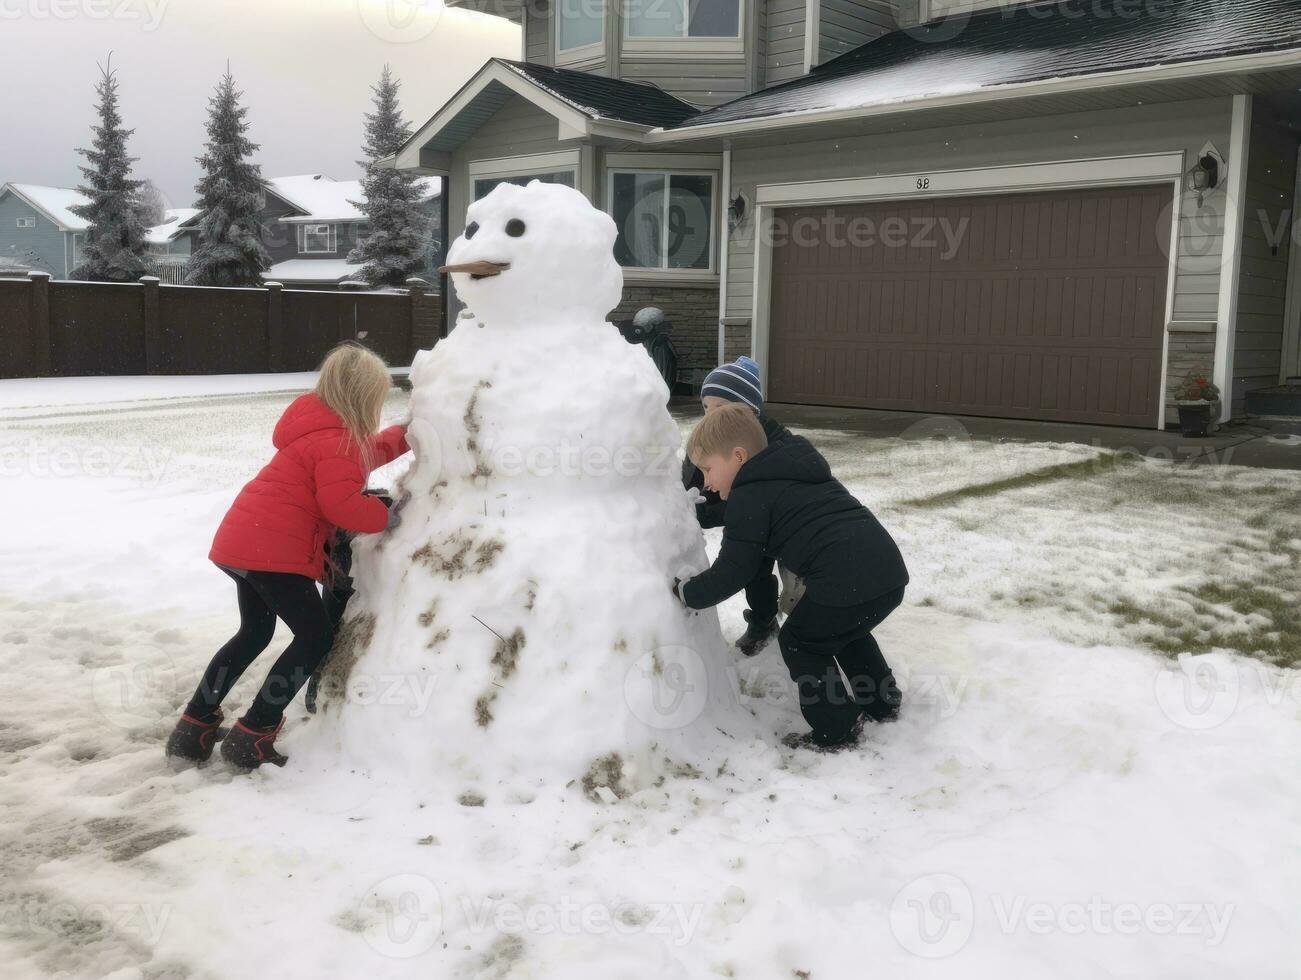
(312, 225)
(39, 232)
(954, 206)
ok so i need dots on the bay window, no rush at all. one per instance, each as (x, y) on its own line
(579, 24)
(682, 18)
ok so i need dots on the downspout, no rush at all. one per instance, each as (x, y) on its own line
(1231, 263)
(725, 196)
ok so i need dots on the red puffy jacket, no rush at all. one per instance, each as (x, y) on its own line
(282, 519)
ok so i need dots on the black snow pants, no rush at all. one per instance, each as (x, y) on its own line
(818, 642)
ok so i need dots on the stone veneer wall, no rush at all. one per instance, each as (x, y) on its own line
(693, 311)
(1192, 349)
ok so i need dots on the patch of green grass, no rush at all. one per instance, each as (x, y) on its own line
(1102, 465)
(1278, 642)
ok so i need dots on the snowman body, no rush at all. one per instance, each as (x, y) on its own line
(516, 632)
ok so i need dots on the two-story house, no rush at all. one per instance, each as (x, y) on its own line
(312, 223)
(1047, 210)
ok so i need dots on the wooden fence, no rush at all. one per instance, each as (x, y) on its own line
(67, 329)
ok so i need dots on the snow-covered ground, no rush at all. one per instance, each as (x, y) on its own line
(1064, 796)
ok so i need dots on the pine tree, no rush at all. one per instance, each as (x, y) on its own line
(114, 246)
(231, 193)
(396, 248)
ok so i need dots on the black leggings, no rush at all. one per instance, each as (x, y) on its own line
(262, 597)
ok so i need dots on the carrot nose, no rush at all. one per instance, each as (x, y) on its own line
(480, 268)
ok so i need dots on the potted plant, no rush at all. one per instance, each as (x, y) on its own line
(1199, 403)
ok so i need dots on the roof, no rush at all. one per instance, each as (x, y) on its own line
(175, 220)
(54, 202)
(1032, 42)
(312, 270)
(322, 198)
(602, 97)
(583, 104)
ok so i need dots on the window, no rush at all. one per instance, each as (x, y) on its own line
(315, 239)
(485, 185)
(78, 243)
(363, 233)
(579, 24)
(665, 220)
(682, 18)
(28, 222)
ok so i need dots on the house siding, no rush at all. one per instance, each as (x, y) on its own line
(1157, 128)
(784, 41)
(847, 24)
(44, 247)
(1266, 252)
(701, 82)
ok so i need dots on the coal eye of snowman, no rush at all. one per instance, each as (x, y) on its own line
(514, 227)
(471, 229)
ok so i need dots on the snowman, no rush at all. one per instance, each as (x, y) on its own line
(516, 633)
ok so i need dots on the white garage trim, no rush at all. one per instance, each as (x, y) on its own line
(1231, 262)
(1151, 168)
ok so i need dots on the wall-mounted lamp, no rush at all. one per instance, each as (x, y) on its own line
(1205, 175)
(736, 210)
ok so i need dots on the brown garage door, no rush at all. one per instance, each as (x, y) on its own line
(1044, 306)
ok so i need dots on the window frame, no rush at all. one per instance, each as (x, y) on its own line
(583, 52)
(666, 271)
(686, 46)
(525, 166)
(331, 239)
(27, 222)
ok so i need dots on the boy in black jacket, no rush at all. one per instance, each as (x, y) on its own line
(728, 384)
(783, 503)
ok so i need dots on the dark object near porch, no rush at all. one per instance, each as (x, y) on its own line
(1282, 401)
(651, 328)
(1195, 419)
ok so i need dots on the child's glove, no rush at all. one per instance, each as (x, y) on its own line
(695, 497)
(679, 590)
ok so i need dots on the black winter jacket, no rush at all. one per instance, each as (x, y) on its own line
(713, 512)
(785, 504)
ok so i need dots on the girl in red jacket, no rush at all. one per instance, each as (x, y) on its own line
(272, 544)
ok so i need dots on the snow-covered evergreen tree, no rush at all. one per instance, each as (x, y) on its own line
(231, 193)
(396, 248)
(114, 245)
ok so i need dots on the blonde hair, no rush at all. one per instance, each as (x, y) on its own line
(726, 428)
(354, 382)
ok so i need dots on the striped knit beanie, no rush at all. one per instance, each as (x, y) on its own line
(737, 382)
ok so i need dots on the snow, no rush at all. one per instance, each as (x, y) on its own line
(1057, 800)
(322, 198)
(174, 221)
(29, 394)
(312, 270)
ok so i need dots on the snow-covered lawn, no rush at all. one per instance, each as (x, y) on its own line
(1096, 773)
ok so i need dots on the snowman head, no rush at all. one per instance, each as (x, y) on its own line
(536, 254)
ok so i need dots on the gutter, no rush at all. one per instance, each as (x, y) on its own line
(1239, 64)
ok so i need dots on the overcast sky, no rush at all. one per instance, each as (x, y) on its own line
(305, 67)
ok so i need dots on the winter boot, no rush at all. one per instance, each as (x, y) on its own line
(247, 747)
(816, 743)
(193, 740)
(756, 635)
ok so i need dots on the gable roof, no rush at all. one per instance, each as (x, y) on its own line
(322, 198)
(53, 202)
(1034, 42)
(175, 221)
(602, 97)
(582, 103)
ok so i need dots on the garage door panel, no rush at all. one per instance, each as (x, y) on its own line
(1045, 306)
